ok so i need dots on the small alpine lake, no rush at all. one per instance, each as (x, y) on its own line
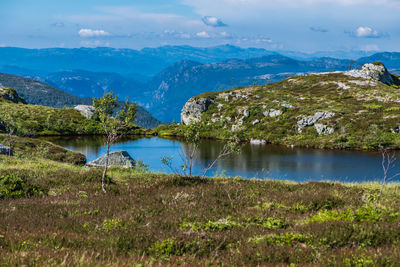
(259, 161)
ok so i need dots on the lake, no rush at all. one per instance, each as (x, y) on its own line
(260, 161)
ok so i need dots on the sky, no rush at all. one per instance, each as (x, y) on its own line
(291, 25)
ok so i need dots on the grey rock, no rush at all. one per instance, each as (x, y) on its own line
(372, 71)
(255, 122)
(287, 105)
(191, 112)
(323, 129)
(235, 128)
(310, 121)
(85, 110)
(246, 113)
(273, 113)
(257, 142)
(5, 150)
(115, 159)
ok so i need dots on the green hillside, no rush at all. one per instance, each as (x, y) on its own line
(331, 110)
(34, 120)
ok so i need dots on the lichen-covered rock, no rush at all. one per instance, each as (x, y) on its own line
(273, 113)
(11, 95)
(323, 129)
(235, 128)
(192, 110)
(372, 71)
(310, 121)
(86, 110)
(116, 159)
(5, 150)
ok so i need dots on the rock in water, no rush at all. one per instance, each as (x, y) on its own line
(86, 110)
(5, 150)
(191, 112)
(116, 159)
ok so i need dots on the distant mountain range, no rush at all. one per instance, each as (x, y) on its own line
(38, 93)
(163, 79)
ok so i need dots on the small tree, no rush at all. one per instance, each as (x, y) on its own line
(388, 163)
(231, 147)
(114, 127)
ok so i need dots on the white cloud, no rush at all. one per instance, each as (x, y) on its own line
(366, 32)
(213, 21)
(203, 34)
(92, 33)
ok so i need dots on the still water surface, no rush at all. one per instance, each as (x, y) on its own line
(260, 161)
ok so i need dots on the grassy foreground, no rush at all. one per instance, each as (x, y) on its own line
(54, 213)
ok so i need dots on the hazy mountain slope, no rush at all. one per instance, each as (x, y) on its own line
(390, 59)
(147, 61)
(93, 84)
(38, 93)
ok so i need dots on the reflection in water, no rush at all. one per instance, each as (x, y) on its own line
(264, 161)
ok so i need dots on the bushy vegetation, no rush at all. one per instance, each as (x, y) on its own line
(55, 213)
(365, 114)
(34, 120)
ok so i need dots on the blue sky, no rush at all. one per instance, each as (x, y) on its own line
(300, 25)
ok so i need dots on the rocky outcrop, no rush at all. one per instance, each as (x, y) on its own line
(323, 129)
(5, 150)
(372, 71)
(86, 110)
(311, 121)
(120, 159)
(191, 112)
(11, 95)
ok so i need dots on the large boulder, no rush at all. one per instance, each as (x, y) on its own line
(372, 71)
(120, 159)
(5, 150)
(192, 110)
(86, 110)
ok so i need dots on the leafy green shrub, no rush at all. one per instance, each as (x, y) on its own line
(367, 213)
(112, 224)
(168, 247)
(267, 222)
(13, 186)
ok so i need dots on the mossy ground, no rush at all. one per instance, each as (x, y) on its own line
(366, 115)
(58, 215)
(35, 148)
